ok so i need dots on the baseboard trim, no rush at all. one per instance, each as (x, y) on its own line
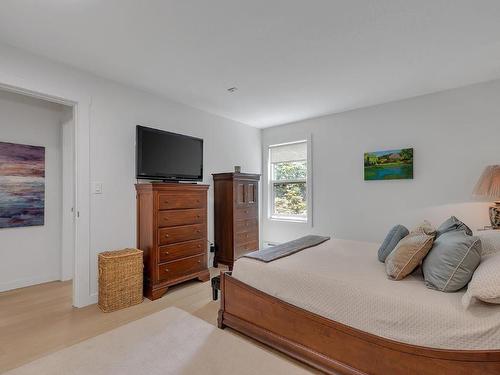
(22, 283)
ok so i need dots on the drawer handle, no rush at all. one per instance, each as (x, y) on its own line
(167, 235)
(199, 246)
(167, 270)
(167, 253)
(199, 261)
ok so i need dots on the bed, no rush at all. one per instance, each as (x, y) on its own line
(332, 307)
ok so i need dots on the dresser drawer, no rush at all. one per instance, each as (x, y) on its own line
(247, 225)
(168, 253)
(179, 268)
(177, 201)
(172, 235)
(245, 237)
(246, 213)
(245, 248)
(173, 218)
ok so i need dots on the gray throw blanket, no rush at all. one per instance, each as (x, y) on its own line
(287, 248)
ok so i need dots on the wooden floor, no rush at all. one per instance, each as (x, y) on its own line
(39, 320)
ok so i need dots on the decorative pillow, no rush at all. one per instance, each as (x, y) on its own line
(396, 234)
(410, 251)
(485, 283)
(453, 224)
(490, 241)
(452, 261)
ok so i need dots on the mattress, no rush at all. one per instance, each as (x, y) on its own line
(343, 281)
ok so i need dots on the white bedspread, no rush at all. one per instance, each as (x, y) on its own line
(343, 281)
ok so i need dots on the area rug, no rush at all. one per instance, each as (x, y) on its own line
(168, 342)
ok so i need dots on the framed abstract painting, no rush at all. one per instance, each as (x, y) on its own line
(389, 164)
(22, 185)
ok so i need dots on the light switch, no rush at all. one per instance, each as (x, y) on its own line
(97, 187)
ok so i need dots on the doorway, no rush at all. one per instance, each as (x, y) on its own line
(37, 191)
(80, 104)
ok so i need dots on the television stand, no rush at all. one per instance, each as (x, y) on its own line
(175, 182)
(172, 232)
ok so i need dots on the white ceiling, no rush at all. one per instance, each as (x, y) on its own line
(290, 59)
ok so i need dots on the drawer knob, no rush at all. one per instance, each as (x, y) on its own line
(198, 231)
(246, 211)
(199, 245)
(199, 261)
(197, 216)
(166, 202)
(166, 253)
(167, 235)
(167, 270)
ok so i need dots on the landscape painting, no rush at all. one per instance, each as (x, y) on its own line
(22, 185)
(389, 165)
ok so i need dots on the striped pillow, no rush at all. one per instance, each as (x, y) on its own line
(392, 239)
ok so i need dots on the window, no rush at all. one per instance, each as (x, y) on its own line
(288, 181)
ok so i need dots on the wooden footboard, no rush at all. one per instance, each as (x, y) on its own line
(336, 348)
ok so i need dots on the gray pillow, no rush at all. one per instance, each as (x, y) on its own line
(453, 224)
(395, 235)
(450, 264)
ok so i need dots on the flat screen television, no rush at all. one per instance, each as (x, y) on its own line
(161, 155)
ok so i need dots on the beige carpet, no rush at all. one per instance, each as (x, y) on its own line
(168, 342)
(208, 312)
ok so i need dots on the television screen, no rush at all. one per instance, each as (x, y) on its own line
(162, 155)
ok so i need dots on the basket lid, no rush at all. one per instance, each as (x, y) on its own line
(120, 253)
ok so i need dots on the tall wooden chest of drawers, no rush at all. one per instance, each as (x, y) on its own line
(172, 232)
(236, 216)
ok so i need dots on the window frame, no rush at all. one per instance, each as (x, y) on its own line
(304, 219)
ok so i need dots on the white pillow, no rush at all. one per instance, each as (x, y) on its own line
(485, 283)
(490, 241)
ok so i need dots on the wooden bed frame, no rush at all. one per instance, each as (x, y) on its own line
(333, 347)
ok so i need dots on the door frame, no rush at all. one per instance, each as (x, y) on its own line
(81, 104)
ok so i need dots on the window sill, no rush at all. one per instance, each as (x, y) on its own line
(288, 219)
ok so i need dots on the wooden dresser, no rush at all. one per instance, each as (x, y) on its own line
(172, 232)
(236, 216)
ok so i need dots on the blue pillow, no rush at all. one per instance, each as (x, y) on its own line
(395, 235)
(453, 224)
(452, 261)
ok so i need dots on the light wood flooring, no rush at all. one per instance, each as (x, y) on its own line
(39, 320)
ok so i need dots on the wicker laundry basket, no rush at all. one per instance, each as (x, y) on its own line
(120, 279)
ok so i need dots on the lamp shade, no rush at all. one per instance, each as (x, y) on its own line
(488, 185)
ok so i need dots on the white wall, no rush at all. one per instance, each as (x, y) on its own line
(32, 255)
(455, 134)
(115, 111)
